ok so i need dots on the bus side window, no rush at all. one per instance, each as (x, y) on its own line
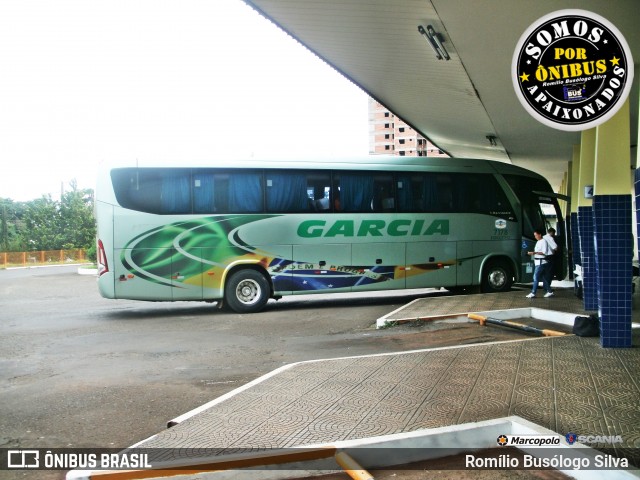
(245, 192)
(383, 194)
(287, 192)
(203, 193)
(143, 193)
(405, 189)
(175, 193)
(356, 192)
(318, 191)
(417, 192)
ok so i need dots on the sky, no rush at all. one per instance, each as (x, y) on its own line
(89, 83)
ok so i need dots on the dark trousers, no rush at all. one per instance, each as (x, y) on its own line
(551, 268)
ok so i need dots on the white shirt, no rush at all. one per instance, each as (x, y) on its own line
(552, 243)
(542, 246)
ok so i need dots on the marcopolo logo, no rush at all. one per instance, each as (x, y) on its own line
(572, 70)
(528, 440)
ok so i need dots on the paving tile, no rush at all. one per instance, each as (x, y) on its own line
(566, 384)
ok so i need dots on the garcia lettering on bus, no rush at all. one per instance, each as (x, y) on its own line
(374, 228)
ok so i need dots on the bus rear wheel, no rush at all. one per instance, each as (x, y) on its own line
(497, 277)
(246, 291)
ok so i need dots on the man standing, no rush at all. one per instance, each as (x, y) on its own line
(539, 254)
(550, 237)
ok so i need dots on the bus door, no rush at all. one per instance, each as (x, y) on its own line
(542, 211)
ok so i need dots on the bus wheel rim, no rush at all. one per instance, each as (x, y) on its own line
(497, 278)
(248, 291)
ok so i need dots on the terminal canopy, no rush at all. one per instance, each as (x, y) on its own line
(465, 104)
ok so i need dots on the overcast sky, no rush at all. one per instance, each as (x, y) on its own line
(88, 82)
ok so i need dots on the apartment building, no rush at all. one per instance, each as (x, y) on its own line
(390, 135)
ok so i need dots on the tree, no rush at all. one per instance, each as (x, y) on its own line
(4, 229)
(46, 224)
(11, 225)
(76, 221)
(42, 225)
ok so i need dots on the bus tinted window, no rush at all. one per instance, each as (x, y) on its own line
(524, 188)
(204, 192)
(153, 190)
(353, 192)
(451, 192)
(208, 191)
(297, 191)
(245, 192)
(383, 193)
(482, 194)
(319, 191)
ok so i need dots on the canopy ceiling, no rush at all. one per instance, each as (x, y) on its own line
(455, 103)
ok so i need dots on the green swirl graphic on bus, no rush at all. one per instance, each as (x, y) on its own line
(197, 252)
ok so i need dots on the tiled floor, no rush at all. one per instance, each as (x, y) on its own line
(566, 384)
(564, 300)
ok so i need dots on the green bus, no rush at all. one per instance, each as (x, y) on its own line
(241, 233)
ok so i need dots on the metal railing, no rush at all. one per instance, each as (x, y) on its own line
(42, 257)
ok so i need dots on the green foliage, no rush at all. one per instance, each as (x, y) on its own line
(41, 219)
(11, 224)
(47, 224)
(92, 253)
(76, 220)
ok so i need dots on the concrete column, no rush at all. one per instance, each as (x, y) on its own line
(585, 219)
(612, 225)
(573, 222)
(575, 178)
(636, 189)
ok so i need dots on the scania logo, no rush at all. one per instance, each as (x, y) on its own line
(572, 70)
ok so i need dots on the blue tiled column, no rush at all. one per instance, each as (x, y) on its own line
(588, 260)
(612, 224)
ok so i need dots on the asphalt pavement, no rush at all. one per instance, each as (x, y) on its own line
(77, 370)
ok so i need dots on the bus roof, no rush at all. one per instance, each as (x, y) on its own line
(373, 162)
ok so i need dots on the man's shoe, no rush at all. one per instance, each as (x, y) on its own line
(548, 294)
(532, 295)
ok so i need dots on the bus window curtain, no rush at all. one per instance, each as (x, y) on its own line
(356, 193)
(462, 197)
(203, 193)
(245, 192)
(405, 195)
(174, 195)
(287, 192)
(430, 195)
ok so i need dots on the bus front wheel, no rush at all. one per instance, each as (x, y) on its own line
(497, 277)
(246, 291)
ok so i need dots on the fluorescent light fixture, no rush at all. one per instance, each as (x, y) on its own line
(433, 39)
